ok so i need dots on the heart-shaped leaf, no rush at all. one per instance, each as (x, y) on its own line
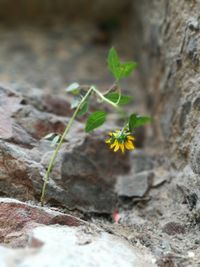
(119, 70)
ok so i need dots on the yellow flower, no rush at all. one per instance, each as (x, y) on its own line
(120, 140)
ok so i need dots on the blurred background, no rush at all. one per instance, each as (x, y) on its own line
(49, 44)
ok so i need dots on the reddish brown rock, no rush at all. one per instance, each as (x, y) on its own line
(16, 218)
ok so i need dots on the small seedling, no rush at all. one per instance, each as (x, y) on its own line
(120, 139)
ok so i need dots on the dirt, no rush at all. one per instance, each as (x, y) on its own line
(51, 60)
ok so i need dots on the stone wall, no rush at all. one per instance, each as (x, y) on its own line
(166, 39)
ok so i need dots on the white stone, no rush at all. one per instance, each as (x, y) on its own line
(62, 247)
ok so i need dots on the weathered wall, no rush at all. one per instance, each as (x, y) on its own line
(167, 42)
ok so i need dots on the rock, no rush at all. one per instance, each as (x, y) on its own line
(19, 174)
(85, 171)
(17, 218)
(38, 124)
(86, 186)
(160, 176)
(63, 246)
(195, 152)
(9, 130)
(21, 123)
(144, 173)
(141, 161)
(166, 261)
(55, 104)
(187, 189)
(173, 78)
(196, 103)
(134, 185)
(173, 228)
(85, 176)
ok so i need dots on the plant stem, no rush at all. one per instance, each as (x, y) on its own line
(55, 153)
(105, 99)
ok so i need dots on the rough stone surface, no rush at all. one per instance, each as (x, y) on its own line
(168, 50)
(186, 190)
(64, 246)
(22, 123)
(142, 161)
(134, 185)
(85, 170)
(147, 171)
(169, 70)
(17, 218)
(19, 175)
(195, 152)
(174, 228)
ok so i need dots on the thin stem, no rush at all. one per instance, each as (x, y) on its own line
(112, 87)
(105, 99)
(116, 84)
(52, 161)
(55, 153)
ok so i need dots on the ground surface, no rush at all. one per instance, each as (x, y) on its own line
(49, 60)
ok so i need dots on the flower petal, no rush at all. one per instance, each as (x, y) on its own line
(122, 148)
(114, 144)
(129, 145)
(108, 141)
(116, 147)
(130, 137)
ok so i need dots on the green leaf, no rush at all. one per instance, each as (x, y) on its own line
(119, 70)
(73, 88)
(113, 62)
(95, 120)
(121, 99)
(126, 69)
(137, 121)
(84, 109)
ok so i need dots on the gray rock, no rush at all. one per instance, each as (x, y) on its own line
(141, 161)
(134, 185)
(86, 178)
(195, 152)
(160, 176)
(173, 82)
